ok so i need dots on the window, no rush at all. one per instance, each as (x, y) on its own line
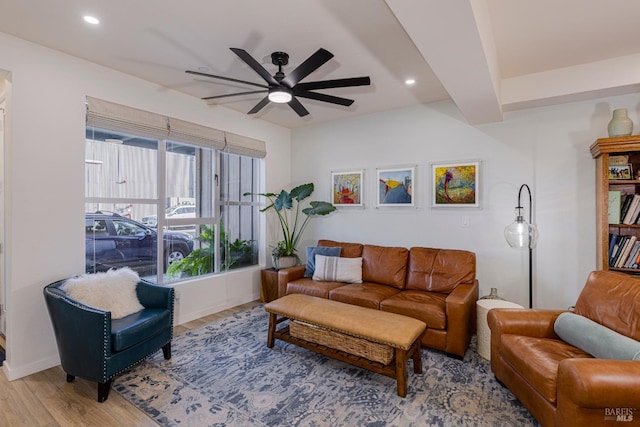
(167, 200)
(239, 213)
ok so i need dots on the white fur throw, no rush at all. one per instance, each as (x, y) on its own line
(338, 269)
(113, 291)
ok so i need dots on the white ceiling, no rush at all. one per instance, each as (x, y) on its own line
(488, 56)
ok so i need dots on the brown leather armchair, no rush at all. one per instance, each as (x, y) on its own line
(562, 385)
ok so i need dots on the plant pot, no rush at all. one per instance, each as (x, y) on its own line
(284, 261)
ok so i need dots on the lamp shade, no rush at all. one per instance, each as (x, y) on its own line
(521, 235)
(280, 95)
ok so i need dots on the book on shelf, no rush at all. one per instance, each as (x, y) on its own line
(615, 206)
(613, 238)
(636, 262)
(615, 253)
(632, 213)
(624, 254)
(633, 254)
(626, 203)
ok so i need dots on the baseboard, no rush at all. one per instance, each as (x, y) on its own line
(32, 368)
(194, 315)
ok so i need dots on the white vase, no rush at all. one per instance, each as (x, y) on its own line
(284, 262)
(620, 124)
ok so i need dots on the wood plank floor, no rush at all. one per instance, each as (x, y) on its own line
(46, 399)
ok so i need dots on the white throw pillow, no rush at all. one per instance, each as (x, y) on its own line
(114, 291)
(338, 269)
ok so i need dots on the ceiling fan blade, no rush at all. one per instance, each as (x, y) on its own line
(259, 106)
(234, 94)
(323, 97)
(311, 64)
(298, 107)
(198, 73)
(330, 84)
(255, 65)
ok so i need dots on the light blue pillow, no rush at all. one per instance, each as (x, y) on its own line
(597, 340)
(312, 251)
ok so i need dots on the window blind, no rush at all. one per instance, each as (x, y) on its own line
(191, 133)
(121, 118)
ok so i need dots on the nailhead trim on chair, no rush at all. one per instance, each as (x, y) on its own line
(104, 345)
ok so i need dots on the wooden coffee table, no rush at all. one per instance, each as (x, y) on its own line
(379, 341)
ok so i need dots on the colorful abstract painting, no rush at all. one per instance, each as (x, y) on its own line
(396, 187)
(347, 188)
(456, 185)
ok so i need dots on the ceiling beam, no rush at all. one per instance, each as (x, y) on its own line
(610, 77)
(455, 39)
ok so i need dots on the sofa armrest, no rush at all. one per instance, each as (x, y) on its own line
(590, 390)
(536, 323)
(528, 322)
(287, 275)
(461, 317)
(82, 332)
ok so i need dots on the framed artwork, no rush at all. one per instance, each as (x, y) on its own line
(396, 187)
(346, 188)
(455, 185)
(620, 171)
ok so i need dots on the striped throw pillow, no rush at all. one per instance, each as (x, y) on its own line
(338, 269)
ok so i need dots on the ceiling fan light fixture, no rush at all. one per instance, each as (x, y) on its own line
(280, 95)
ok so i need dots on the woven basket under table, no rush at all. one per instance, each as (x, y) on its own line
(357, 346)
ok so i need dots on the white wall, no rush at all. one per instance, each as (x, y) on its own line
(45, 167)
(546, 148)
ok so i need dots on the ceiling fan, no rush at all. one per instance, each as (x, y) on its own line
(285, 89)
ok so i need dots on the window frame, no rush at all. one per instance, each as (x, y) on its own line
(103, 115)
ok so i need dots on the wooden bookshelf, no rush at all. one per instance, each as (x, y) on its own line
(601, 150)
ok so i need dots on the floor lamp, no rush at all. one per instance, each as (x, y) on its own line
(521, 235)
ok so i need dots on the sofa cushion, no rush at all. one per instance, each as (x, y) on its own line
(337, 269)
(113, 291)
(349, 250)
(311, 287)
(595, 339)
(136, 328)
(612, 299)
(537, 360)
(430, 307)
(312, 251)
(439, 270)
(386, 265)
(363, 294)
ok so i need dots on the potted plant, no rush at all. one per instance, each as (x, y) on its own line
(287, 208)
(200, 261)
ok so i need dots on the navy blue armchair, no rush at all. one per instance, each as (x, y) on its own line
(95, 347)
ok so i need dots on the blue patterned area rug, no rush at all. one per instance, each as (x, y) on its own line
(223, 374)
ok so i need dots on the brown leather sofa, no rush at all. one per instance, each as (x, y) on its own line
(437, 286)
(562, 385)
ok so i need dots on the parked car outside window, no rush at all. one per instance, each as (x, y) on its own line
(113, 241)
(183, 211)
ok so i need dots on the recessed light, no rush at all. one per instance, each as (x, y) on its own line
(91, 20)
(203, 69)
(410, 82)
